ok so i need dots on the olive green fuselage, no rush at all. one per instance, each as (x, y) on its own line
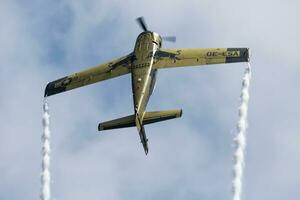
(143, 75)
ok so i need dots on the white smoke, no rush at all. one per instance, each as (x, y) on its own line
(45, 178)
(240, 139)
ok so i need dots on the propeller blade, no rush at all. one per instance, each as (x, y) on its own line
(142, 23)
(169, 38)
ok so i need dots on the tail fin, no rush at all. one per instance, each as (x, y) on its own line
(142, 133)
(149, 117)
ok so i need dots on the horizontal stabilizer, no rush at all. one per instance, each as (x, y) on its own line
(157, 116)
(123, 122)
(149, 117)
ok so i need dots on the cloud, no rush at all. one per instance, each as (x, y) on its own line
(189, 158)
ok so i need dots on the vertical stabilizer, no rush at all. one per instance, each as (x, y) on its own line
(142, 132)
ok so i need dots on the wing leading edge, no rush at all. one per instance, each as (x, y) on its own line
(92, 75)
(166, 58)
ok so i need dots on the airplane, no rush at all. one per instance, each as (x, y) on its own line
(143, 63)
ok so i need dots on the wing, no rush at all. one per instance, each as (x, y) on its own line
(95, 74)
(165, 58)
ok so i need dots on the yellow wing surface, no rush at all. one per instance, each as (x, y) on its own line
(92, 75)
(165, 58)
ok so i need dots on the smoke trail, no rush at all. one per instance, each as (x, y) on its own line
(45, 178)
(240, 139)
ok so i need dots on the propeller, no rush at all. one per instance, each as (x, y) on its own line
(143, 25)
(169, 38)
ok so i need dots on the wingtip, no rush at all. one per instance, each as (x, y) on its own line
(249, 54)
(46, 90)
(180, 113)
(100, 127)
(56, 87)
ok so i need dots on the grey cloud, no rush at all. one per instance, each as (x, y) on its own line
(189, 158)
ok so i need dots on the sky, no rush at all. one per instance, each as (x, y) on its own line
(189, 158)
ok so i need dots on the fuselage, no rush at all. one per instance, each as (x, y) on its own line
(143, 75)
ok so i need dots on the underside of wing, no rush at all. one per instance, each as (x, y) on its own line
(92, 75)
(165, 58)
